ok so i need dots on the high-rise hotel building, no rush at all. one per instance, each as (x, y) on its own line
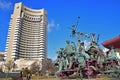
(27, 36)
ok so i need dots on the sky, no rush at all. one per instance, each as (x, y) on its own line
(98, 16)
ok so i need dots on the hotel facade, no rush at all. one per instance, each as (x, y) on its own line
(27, 35)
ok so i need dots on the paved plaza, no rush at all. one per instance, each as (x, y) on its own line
(78, 79)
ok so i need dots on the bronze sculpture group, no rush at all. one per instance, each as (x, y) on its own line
(87, 61)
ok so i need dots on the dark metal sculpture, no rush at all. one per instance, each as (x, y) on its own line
(86, 62)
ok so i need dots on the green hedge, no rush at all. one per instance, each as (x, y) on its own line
(42, 77)
(5, 79)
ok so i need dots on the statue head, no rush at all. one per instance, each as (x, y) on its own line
(68, 42)
(93, 34)
(61, 49)
(78, 40)
(82, 43)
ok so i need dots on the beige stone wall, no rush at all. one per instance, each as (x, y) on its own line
(118, 53)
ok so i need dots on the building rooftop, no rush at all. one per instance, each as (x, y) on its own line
(114, 42)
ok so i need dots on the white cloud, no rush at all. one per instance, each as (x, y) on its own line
(86, 43)
(54, 58)
(6, 5)
(52, 24)
(105, 50)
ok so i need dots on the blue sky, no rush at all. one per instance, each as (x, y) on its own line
(99, 16)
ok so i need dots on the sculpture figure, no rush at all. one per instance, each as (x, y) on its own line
(74, 27)
(64, 62)
(112, 54)
(60, 65)
(82, 56)
(87, 61)
(68, 50)
(93, 47)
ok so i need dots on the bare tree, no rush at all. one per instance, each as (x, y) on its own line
(35, 68)
(48, 65)
(9, 65)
